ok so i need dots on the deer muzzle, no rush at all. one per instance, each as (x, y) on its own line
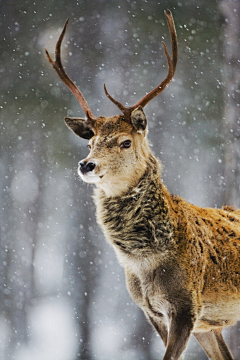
(89, 172)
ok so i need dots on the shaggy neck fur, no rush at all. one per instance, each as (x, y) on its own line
(147, 203)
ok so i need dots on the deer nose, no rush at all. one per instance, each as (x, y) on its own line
(86, 167)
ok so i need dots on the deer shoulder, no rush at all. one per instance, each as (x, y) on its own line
(181, 261)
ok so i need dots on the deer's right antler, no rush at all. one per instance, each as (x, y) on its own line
(57, 65)
(172, 63)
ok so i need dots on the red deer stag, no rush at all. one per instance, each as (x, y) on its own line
(182, 262)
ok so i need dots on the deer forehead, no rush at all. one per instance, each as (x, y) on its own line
(105, 126)
(112, 131)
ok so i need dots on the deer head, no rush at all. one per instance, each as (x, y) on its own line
(118, 145)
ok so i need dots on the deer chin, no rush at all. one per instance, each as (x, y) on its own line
(90, 178)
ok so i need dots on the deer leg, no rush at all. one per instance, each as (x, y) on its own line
(162, 330)
(180, 331)
(214, 345)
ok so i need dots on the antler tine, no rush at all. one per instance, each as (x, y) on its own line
(173, 33)
(126, 110)
(57, 65)
(172, 63)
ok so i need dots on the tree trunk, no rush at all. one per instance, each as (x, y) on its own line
(231, 30)
(231, 13)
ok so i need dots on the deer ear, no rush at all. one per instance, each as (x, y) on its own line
(139, 119)
(79, 127)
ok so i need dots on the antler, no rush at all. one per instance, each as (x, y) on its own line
(172, 62)
(57, 65)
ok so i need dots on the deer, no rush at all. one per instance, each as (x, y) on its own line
(181, 261)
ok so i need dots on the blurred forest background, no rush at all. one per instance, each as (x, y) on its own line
(62, 292)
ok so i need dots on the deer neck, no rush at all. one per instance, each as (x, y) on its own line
(138, 222)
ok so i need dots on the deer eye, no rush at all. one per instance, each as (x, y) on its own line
(89, 146)
(125, 144)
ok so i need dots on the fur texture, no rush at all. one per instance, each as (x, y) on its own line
(181, 261)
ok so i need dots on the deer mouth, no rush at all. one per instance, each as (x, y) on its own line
(90, 178)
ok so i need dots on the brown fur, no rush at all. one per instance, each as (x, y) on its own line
(181, 261)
